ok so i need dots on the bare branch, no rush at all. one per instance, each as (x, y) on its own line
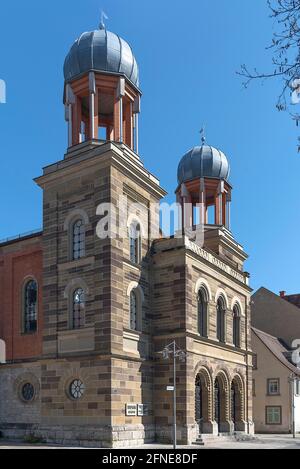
(285, 47)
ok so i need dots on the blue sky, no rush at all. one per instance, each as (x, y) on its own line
(188, 53)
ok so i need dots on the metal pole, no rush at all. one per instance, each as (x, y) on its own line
(174, 394)
(70, 123)
(293, 404)
(137, 134)
(121, 119)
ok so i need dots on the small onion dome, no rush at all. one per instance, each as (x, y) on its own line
(101, 51)
(203, 162)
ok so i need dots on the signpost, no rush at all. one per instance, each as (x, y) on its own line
(131, 410)
(176, 352)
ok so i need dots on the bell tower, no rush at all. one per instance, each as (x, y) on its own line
(97, 284)
(204, 195)
(101, 93)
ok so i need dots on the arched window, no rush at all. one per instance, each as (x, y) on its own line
(78, 239)
(78, 313)
(202, 312)
(135, 242)
(30, 306)
(221, 312)
(133, 311)
(236, 327)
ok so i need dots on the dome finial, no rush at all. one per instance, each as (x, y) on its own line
(103, 18)
(202, 133)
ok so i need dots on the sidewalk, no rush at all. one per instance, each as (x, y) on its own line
(260, 442)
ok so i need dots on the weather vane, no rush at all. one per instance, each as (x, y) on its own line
(103, 18)
(202, 133)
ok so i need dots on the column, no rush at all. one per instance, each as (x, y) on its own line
(219, 207)
(118, 110)
(69, 105)
(136, 109)
(128, 131)
(202, 202)
(217, 210)
(93, 104)
(187, 208)
(76, 121)
(228, 211)
(136, 133)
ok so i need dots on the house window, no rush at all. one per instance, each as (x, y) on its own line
(30, 307)
(273, 415)
(273, 387)
(202, 312)
(78, 239)
(298, 387)
(236, 326)
(253, 388)
(76, 389)
(221, 311)
(133, 311)
(135, 242)
(27, 392)
(254, 361)
(78, 318)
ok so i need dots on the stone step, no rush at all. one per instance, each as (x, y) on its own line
(199, 442)
(225, 437)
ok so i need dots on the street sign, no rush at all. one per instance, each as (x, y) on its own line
(142, 410)
(170, 388)
(131, 410)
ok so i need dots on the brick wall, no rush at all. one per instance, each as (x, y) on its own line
(18, 261)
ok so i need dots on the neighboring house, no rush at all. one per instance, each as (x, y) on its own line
(275, 315)
(294, 299)
(273, 386)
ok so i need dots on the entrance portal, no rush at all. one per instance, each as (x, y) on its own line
(234, 404)
(237, 404)
(217, 393)
(203, 401)
(199, 402)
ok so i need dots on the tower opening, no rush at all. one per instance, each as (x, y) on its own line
(102, 97)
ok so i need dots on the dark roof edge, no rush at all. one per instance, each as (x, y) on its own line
(21, 237)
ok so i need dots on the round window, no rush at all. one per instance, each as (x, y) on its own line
(77, 389)
(27, 392)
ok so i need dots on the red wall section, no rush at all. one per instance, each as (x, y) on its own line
(18, 261)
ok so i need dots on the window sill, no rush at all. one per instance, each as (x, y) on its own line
(215, 342)
(134, 266)
(76, 263)
(131, 334)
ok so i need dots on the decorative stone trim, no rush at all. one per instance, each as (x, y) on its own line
(21, 381)
(136, 286)
(221, 292)
(76, 283)
(133, 218)
(77, 213)
(238, 380)
(71, 376)
(202, 282)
